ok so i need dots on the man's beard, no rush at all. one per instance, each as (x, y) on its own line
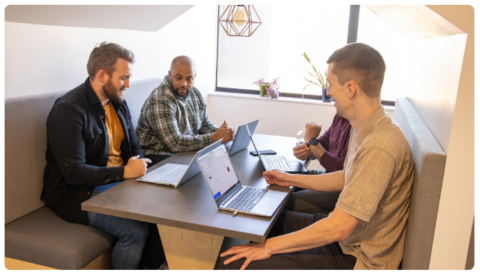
(176, 90)
(112, 93)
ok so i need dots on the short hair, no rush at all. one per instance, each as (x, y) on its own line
(183, 60)
(104, 56)
(362, 64)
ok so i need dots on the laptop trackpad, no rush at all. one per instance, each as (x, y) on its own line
(269, 203)
(296, 166)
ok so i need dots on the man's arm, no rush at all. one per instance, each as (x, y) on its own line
(338, 226)
(66, 135)
(207, 125)
(334, 181)
(312, 130)
(332, 162)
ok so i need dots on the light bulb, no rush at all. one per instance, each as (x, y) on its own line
(240, 15)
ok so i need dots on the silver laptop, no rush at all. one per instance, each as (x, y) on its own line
(242, 139)
(228, 192)
(176, 174)
(279, 162)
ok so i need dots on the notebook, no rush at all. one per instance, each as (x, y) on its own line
(176, 174)
(227, 190)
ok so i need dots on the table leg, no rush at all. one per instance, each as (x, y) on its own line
(188, 249)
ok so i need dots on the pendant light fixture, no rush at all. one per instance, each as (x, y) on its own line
(239, 20)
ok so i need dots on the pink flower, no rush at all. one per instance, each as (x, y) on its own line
(272, 89)
(258, 82)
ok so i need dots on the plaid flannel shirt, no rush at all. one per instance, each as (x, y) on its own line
(169, 123)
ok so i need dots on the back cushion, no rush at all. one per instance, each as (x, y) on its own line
(427, 185)
(137, 94)
(26, 144)
(25, 147)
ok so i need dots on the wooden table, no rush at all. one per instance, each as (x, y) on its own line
(191, 227)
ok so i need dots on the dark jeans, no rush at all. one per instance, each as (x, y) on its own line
(324, 257)
(138, 243)
(155, 158)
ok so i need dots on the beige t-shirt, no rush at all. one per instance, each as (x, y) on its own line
(378, 185)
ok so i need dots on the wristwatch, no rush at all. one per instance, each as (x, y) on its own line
(312, 141)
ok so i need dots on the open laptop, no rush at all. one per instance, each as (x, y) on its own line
(279, 162)
(176, 174)
(242, 139)
(228, 192)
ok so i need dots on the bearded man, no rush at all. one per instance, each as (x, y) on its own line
(92, 146)
(174, 117)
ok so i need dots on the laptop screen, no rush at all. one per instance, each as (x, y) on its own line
(218, 172)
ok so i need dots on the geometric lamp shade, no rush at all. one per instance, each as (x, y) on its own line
(239, 20)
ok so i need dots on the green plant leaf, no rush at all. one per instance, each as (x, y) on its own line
(313, 76)
(306, 86)
(311, 81)
(306, 57)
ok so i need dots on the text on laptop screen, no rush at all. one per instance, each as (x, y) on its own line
(218, 171)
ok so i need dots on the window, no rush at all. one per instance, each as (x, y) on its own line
(395, 48)
(275, 49)
(287, 31)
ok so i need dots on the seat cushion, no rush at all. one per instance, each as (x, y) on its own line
(42, 237)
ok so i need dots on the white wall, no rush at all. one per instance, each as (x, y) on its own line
(284, 117)
(42, 59)
(434, 78)
(193, 33)
(456, 210)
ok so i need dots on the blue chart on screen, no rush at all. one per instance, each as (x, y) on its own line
(217, 195)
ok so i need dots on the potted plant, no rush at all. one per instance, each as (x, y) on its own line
(269, 90)
(320, 81)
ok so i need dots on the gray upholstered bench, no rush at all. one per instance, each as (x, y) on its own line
(430, 162)
(36, 238)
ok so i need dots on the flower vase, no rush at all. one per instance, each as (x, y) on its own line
(263, 89)
(325, 97)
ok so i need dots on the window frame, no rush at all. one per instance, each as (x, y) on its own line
(351, 38)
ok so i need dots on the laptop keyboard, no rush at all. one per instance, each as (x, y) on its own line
(275, 162)
(173, 176)
(247, 199)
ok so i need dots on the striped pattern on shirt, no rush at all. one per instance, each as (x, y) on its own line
(169, 123)
(379, 172)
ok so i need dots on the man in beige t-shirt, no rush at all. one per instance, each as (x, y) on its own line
(366, 230)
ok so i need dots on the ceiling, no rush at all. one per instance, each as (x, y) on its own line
(127, 17)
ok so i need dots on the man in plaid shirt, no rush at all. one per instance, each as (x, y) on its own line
(174, 117)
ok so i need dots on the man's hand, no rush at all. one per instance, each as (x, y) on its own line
(135, 167)
(251, 252)
(301, 152)
(312, 131)
(224, 132)
(277, 177)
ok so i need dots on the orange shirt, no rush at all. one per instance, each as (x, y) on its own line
(115, 135)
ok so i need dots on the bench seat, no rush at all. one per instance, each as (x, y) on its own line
(43, 238)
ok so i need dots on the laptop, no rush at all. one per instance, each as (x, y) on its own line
(228, 192)
(242, 139)
(176, 174)
(279, 162)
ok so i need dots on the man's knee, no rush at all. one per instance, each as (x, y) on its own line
(233, 265)
(135, 232)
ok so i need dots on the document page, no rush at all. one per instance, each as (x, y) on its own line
(218, 171)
